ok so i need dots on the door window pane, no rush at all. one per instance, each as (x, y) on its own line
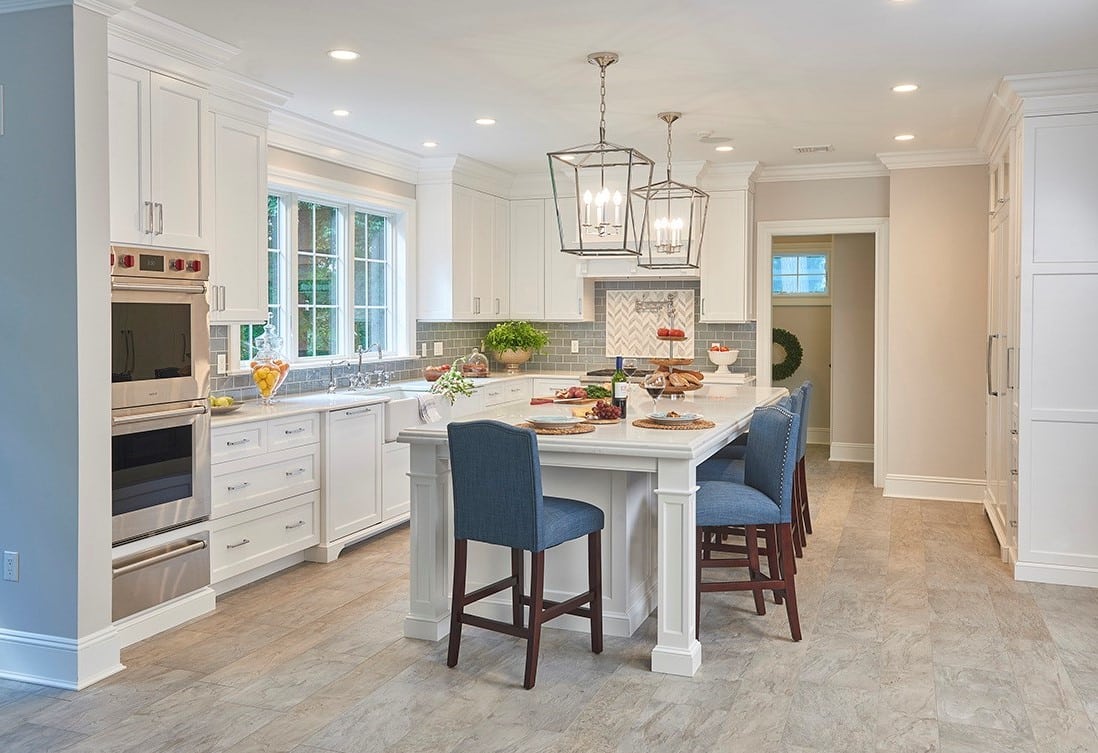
(800, 274)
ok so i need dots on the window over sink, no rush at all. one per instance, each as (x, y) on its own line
(335, 274)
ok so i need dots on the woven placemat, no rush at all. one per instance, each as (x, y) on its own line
(701, 423)
(575, 429)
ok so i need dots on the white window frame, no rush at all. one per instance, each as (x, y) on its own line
(292, 187)
(803, 248)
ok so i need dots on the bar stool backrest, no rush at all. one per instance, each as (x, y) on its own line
(771, 456)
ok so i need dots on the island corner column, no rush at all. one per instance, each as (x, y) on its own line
(677, 650)
(428, 606)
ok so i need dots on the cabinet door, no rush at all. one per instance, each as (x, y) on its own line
(352, 494)
(528, 249)
(239, 258)
(180, 172)
(566, 293)
(128, 115)
(464, 264)
(396, 488)
(482, 253)
(500, 263)
(725, 259)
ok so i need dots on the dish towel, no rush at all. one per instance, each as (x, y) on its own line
(428, 407)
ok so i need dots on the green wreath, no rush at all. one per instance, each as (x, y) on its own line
(793, 354)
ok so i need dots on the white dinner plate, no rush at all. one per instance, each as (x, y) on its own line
(554, 420)
(682, 418)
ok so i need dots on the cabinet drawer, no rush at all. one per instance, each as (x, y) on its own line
(244, 484)
(518, 392)
(495, 394)
(548, 387)
(241, 441)
(296, 431)
(248, 540)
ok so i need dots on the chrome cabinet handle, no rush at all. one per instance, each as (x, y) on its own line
(298, 524)
(238, 442)
(357, 412)
(298, 430)
(297, 472)
(990, 391)
(149, 217)
(1010, 383)
(703, 305)
(224, 298)
(579, 306)
(197, 410)
(242, 542)
(497, 305)
(238, 487)
(190, 546)
(476, 304)
(159, 218)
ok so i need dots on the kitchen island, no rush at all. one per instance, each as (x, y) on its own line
(642, 479)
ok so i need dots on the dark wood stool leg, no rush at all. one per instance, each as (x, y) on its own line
(796, 521)
(516, 590)
(594, 585)
(785, 532)
(751, 535)
(699, 555)
(772, 567)
(806, 513)
(533, 638)
(457, 605)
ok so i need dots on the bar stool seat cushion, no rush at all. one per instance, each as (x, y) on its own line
(567, 519)
(726, 503)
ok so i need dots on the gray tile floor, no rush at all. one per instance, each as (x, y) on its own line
(916, 639)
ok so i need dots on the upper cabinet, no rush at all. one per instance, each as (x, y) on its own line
(238, 263)
(463, 254)
(160, 160)
(545, 283)
(727, 258)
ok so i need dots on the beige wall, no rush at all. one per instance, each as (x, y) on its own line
(812, 326)
(821, 199)
(852, 289)
(937, 313)
(301, 163)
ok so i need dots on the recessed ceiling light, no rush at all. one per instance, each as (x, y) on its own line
(725, 148)
(341, 113)
(343, 54)
(430, 144)
(486, 121)
(906, 137)
(904, 88)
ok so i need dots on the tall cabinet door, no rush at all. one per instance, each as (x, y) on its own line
(500, 302)
(727, 272)
(180, 135)
(527, 284)
(352, 489)
(239, 260)
(568, 297)
(130, 159)
(482, 255)
(464, 262)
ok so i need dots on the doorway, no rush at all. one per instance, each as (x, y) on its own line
(838, 271)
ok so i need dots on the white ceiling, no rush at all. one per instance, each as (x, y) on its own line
(770, 74)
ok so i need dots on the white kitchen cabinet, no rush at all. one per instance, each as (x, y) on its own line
(463, 254)
(727, 258)
(395, 485)
(160, 160)
(238, 262)
(568, 297)
(352, 471)
(547, 386)
(527, 286)
(241, 544)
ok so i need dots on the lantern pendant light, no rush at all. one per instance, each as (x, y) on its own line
(676, 215)
(599, 212)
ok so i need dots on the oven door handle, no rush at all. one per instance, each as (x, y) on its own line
(179, 413)
(193, 546)
(151, 287)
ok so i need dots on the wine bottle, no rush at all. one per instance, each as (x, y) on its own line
(620, 386)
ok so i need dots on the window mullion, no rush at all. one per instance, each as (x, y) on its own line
(289, 312)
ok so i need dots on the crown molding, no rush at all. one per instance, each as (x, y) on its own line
(532, 185)
(932, 158)
(468, 172)
(1056, 93)
(297, 133)
(103, 7)
(137, 36)
(825, 171)
(1002, 107)
(727, 176)
(248, 90)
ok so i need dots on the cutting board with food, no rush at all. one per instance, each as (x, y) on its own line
(575, 395)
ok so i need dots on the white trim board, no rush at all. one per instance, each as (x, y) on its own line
(817, 435)
(1062, 575)
(851, 452)
(69, 663)
(935, 487)
(165, 616)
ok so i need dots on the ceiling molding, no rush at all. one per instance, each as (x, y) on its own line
(1056, 93)
(1002, 107)
(296, 133)
(728, 176)
(826, 171)
(932, 158)
(468, 172)
(248, 90)
(103, 7)
(135, 32)
(532, 185)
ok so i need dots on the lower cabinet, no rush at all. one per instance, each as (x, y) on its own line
(256, 537)
(352, 478)
(396, 491)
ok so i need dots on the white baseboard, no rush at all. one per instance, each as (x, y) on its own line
(935, 487)
(325, 553)
(251, 576)
(818, 435)
(69, 663)
(1063, 575)
(850, 452)
(165, 616)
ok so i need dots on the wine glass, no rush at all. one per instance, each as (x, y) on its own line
(629, 366)
(654, 384)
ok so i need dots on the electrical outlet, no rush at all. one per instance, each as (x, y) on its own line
(11, 565)
(423, 349)
(438, 349)
(221, 366)
(575, 346)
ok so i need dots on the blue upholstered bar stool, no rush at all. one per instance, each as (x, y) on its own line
(496, 475)
(763, 501)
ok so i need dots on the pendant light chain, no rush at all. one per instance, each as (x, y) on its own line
(602, 103)
(669, 122)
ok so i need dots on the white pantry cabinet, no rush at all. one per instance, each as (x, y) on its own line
(352, 471)
(238, 262)
(728, 259)
(160, 159)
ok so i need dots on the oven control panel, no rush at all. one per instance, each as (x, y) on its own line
(132, 261)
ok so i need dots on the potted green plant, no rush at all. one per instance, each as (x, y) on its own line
(514, 342)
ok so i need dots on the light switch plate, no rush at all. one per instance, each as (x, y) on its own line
(438, 349)
(423, 349)
(575, 346)
(221, 363)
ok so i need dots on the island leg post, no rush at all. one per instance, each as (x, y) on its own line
(428, 607)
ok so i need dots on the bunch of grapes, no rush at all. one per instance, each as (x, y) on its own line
(604, 411)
